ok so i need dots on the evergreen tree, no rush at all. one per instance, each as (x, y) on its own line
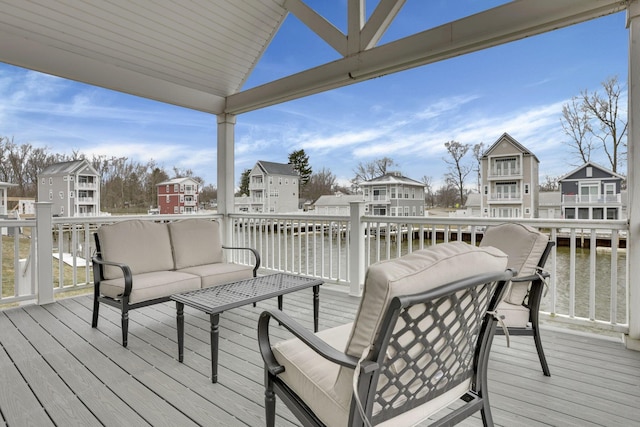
(299, 160)
(244, 183)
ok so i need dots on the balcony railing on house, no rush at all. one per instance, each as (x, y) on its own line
(592, 199)
(588, 284)
(505, 197)
(505, 172)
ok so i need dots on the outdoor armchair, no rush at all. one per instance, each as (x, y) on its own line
(420, 342)
(528, 250)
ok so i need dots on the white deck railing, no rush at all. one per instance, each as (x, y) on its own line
(588, 285)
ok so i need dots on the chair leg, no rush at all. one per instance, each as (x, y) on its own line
(541, 356)
(96, 307)
(269, 403)
(125, 322)
(487, 418)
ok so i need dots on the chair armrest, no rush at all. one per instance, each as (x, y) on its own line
(126, 273)
(531, 277)
(255, 254)
(307, 337)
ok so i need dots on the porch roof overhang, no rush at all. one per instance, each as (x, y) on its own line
(200, 54)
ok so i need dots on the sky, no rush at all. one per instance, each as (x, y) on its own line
(518, 88)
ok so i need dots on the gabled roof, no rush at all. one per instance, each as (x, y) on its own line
(506, 137)
(392, 178)
(272, 168)
(594, 165)
(199, 54)
(182, 180)
(338, 200)
(67, 168)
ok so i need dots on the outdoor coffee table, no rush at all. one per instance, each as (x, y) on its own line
(217, 299)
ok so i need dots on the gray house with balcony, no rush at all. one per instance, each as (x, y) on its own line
(72, 187)
(509, 173)
(393, 195)
(273, 188)
(591, 192)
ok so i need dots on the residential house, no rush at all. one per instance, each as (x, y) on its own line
(4, 188)
(591, 192)
(393, 195)
(72, 187)
(550, 204)
(335, 204)
(273, 188)
(509, 173)
(178, 196)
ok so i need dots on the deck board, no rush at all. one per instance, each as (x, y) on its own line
(57, 370)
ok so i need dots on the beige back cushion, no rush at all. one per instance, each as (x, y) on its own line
(413, 273)
(524, 245)
(142, 245)
(195, 242)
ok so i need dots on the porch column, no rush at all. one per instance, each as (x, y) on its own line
(44, 253)
(356, 248)
(226, 175)
(633, 176)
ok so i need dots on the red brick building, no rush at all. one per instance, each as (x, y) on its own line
(177, 196)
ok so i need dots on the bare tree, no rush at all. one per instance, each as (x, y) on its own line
(595, 122)
(368, 171)
(429, 194)
(320, 183)
(478, 152)
(549, 183)
(458, 170)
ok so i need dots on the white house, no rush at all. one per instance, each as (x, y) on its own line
(393, 195)
(72, 187)
(273, 187)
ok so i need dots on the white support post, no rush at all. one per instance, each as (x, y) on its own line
(44, 253)
(356, 249)
(633, 178)
(226, 175)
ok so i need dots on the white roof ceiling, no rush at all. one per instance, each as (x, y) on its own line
(199, 53)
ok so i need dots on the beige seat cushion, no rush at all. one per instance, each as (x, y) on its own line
(148, 286)
(142, 245)
(325, 387)
(195, 242)
(513, 315)
(524, 245)
(217, 274)
(312, 377)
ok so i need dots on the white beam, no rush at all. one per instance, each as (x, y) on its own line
(509, 22)
(319, 25)
(355, 22)
(379, 21)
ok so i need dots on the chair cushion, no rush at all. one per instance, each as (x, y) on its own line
(312, 377)
(513, 315)
(144, 246)
(148, 286)
(195, 242)
(413, 273)
(222, 272)
(524, 245)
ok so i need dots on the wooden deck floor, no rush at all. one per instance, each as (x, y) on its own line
(56, 370)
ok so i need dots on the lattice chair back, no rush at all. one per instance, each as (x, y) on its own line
(435, 346)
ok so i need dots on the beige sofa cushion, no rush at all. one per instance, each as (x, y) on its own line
(524, 245)
(148, 286)
(217, 274)
(195, 242)
(142, 245)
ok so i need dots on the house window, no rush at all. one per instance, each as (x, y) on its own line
(182, 198)
(176, 188)
(506, 166)
(527, 211)
(64, 178)
(406, 211)
(612, 213)
(380, 210)
(393, 211)
(166, 190)
(280, 181)
(583, 213)
(175, 209)
(570, 213)
(50, 181)
(598, 213)
(486, 190)
(43, 180)
(506, 191)
(379, 193)
(286, 182)
(50, 195)
(293, 181)
(393, 194)
(168, 199)
(61, 210)
(61, 194)
(589, 192)
(526, 189)
(610, 192)
(589, 171)
(270, 180)
(71, 194)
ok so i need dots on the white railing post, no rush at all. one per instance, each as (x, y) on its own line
(633, 159)
(356, 249)
(44, 253)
